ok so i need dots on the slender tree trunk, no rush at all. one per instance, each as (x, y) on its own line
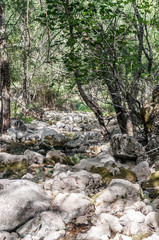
(6, 95)
(119, 109)
(25, 76)
(4, 76)
(93, 105)
(25, 60)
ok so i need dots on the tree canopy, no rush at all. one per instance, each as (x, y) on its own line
(107, 51)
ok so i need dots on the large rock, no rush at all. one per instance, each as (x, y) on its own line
(117, 189)
(67, 179)
(8, 236)
(112, 170)
(152, 220)
(20, 200)
(104, 225)
(142, 171)
(34, 157)
(47, 132)
(126, 147)
(18, 131)
(133, 222)
(57, 156)
(50, 137)
(13, 165)
(48, 226)
(71, 205)
(99, 161)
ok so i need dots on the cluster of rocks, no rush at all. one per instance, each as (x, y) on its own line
(45, 195)
(98, 198)
(74, 132)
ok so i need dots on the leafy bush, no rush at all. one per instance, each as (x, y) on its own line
(80, 106)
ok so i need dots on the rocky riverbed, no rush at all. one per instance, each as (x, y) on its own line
(60, 180)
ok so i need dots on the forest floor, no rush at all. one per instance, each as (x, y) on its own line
(61, 180)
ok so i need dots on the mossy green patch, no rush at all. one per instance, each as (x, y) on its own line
(94, 197)
(108, 175)
(48, 161)
(43, 172)
(14, 169)
(140, 236)
(152, 185)
(70, 135)
(153, 181)
(77, 158)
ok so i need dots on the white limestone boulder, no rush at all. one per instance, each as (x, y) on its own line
(20, 200)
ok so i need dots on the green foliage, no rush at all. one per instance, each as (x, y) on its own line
(75, 159)
(28, 119)
(80, 106)
(108, 175)
(109, 109)
(102, 40)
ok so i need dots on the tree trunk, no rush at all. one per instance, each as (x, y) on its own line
(25, 79)
(4, 76)
(6, 95)
(26, 58)
(119, 109)
(93, 105)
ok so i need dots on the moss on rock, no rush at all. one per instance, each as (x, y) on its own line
(140, 236)
(109, 175)
(152, 185)
(14, 169)
(57, 156)
(153, 181)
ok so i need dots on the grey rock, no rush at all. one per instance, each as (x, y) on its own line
(13, 165)
(47, 226)
(142, 171)
(67, 179)
(127, 147)
(155, 205)
(6, 158)
(34, 157)
(74, 143)
(132, 216)
(118, 188)
(47, 132)
(20, 200)
(18, 131)
(56, 156)
(133, 228)
(152, 220)
(19, 125)
(104, 225)
(28, 176)
(99, 161)
(100, 232)
(82, 220)
(8, 236)
(108, 219)
(71, 205)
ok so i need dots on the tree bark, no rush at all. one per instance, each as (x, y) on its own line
(93, 105)
(4, 76)
(119, 109)
(25, 59)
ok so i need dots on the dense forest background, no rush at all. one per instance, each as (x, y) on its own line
(80, 55)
